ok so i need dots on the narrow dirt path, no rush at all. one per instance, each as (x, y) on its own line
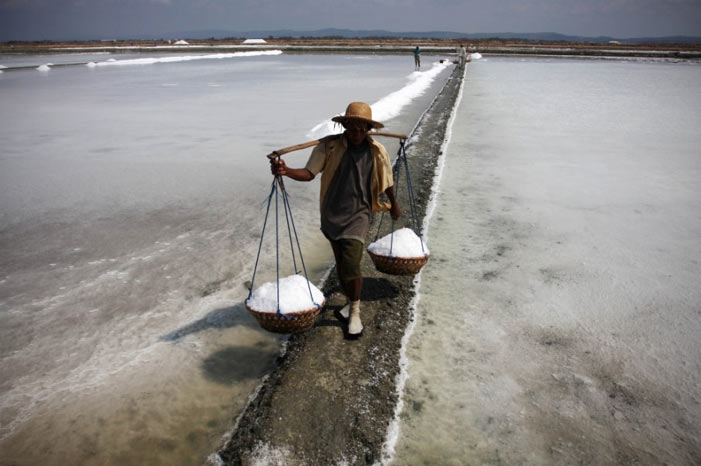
(330, 400)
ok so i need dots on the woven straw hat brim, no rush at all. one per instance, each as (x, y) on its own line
(343, 119)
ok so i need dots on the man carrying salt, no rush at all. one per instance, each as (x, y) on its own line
(355, 169)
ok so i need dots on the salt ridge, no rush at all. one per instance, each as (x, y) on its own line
(390, 105)
(154, 60)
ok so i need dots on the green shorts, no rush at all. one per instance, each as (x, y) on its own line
(348, 254)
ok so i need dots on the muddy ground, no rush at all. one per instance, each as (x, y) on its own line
(330, 399)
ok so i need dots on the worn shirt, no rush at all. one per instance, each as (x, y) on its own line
(326, 158)
(345, 213)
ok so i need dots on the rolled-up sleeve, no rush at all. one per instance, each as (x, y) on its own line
(385, 172)
(317, 160)
(382, 178)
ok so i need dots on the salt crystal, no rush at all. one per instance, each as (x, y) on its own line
(294, 296)
(403, 242)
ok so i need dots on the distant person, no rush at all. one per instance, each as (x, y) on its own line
(417, 57)
(355, 170)
(462, 55)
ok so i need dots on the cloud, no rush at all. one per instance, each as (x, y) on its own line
(18, 4)
(42, 4)
(62, 19)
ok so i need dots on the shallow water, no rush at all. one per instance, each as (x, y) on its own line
(133, 200)
(569, 218)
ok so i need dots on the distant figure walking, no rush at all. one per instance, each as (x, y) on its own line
(417, 57)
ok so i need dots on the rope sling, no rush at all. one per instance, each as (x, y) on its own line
(391, 264)
(400, 163)
(278, 190)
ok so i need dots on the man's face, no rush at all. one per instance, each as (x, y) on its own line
(356, 132)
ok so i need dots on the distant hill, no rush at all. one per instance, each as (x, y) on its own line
(378, 33)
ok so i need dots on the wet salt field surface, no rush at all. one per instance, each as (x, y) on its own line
(567, 217)
(133, 198)
(559, 317)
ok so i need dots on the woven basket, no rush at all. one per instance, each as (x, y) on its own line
(294, 322)
(398, 265)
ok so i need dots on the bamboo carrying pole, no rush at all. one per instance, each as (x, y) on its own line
(304, 145)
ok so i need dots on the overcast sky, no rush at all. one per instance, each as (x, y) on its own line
(107, 19)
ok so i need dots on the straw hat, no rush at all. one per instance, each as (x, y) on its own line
(358, 111)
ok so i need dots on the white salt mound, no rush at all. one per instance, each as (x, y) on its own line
(404, 244)
(294, 296)
(475, 56)
(44, 68)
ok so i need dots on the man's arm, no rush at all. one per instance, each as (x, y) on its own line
(278, 168)
(316, 162)
(394, 210)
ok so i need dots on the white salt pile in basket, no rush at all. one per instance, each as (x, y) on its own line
(294, 296)
(404, 244)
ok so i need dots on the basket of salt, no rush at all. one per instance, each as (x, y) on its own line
(300, 302)
(399, 253)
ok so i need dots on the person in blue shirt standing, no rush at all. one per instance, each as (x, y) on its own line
(417, 57)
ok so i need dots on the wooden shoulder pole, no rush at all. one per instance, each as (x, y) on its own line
(389, 135)
(304, 145)
(285, 150)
